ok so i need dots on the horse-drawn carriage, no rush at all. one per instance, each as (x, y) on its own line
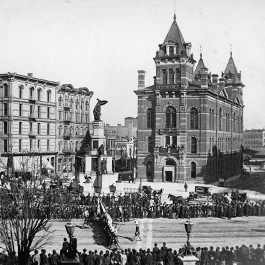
(150, 192)
(200, 192)
(176, 199)
(237, 196)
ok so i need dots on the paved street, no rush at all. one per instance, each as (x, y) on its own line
(207, 232)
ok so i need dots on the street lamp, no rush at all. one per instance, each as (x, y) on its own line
(70, 229)
(186, 256)
(188, 227)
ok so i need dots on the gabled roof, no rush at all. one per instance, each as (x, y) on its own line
(231, 69)
(174, 35)
(199, 65)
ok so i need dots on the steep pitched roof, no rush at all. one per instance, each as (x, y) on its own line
(231, 69)
(199, 65)
(174, 35)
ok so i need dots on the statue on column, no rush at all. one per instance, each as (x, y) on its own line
(97, 109)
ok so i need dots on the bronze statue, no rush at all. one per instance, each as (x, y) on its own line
(97, 109)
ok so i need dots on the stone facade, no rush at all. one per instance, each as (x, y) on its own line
(190, 122)
(254, 139)
(41, 118)
(28, 117)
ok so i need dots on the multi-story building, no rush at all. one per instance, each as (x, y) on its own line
(254, 139)
(121, 141)
(72, 124)
(42, 118)
(28, 118)
(190, 122)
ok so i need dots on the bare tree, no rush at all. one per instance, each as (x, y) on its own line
(26, 207)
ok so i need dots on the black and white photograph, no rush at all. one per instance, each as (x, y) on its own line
(132, 132)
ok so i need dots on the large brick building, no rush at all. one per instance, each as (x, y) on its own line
(190, 122)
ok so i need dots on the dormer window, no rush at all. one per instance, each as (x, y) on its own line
(171, 51)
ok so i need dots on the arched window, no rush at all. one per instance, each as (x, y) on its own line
(220, 119)
(31, 92)
(66, 102)
(194, 118)
(149, 118)
(39, 111)
(21, 91)
(76, 145)
(178, 75)
(87, 105)
(65, 145)
(164, 76)
(212, 126)
(76, 105)
(48, 95)
(193, 145)
(60, 130)
(171, 117)
(39, 94)
(60, 101)
(150, 144)
(5, 90)
(171, 51)
(48, 129)
(149, 170)
(171, 76)
(193, 170)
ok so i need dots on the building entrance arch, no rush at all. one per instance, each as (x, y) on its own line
(169, 170)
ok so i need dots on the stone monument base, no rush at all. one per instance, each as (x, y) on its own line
(189, 260)
(74, 261)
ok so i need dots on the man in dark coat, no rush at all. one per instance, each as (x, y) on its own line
(148, 259)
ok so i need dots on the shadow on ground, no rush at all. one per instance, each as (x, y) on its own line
(98, 234)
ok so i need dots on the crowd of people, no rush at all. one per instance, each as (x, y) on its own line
(156, 256)
(140, 205)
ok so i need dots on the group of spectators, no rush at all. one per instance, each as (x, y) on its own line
(139, 205)
(157, 256)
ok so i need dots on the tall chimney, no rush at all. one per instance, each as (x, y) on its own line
(141, 79)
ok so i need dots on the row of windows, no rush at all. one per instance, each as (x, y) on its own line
(30, 147)
(63, 146)
(252, 136)
(31, 93)
(67, 115)
(171, 119)
(70, 103)
(70, 130)
(171, 76)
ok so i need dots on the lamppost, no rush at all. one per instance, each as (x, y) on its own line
(70, 229)
(188, 227)
(72, 248)
(187, 257)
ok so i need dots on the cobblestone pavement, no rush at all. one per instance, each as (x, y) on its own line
(207, 232)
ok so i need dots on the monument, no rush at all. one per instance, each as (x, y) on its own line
(98, 175)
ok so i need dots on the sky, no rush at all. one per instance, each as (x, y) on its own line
(101, 44)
